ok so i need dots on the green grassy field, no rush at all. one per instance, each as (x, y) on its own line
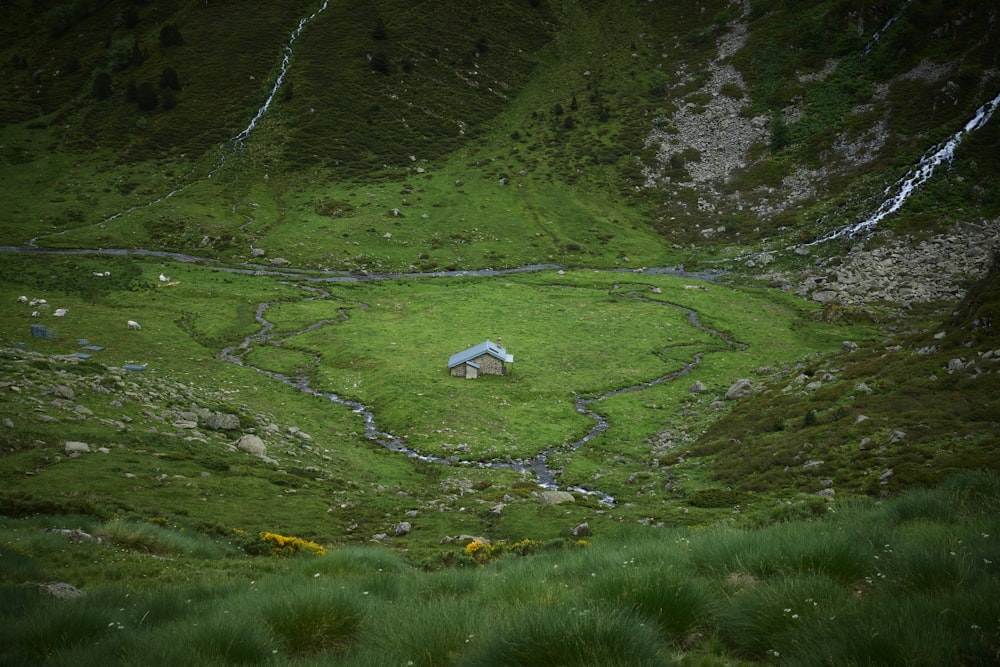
(385, 344)
(850, 498)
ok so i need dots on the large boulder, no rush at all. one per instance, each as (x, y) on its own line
(62, 391)
(557, 497)
(252, 444)
(75, 448)
(739, 389)
(60, 590)
(221, 421)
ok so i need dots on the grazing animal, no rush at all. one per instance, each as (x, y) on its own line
(132, 324)
(35, 302)
(22, 299)
(164, 279)
(35, 314)
(60, 312)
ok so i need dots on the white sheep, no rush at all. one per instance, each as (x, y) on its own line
(35, 314)
(22, 299)
(60, 312)
(35, 302)
(164, 279)
(132, 324)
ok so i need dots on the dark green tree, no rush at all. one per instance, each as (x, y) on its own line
(170, 35)
(781, 134)
(131, 91)
(168, 100)
(380, 63)
(137, 58)
(146, 96)
(100, 85)
(169, 80)
(128, 18)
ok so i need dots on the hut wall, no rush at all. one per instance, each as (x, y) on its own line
(490, 365)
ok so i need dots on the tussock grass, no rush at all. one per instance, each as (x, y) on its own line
(161, 541)
(591, 637)
(636, 597)
(308, 618)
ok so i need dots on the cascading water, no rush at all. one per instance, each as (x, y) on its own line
(916, 176)
(238, 140)
(878, 33)
(233, 144)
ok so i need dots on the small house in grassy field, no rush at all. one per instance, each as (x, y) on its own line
(487, 358)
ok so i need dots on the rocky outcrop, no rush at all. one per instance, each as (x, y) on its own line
(717, 131)
(906, 271)
(38, 388)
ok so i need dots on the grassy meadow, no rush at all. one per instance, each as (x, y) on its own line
(844, 512)
(385, 344)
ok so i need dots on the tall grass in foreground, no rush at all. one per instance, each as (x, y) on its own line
(911, 581)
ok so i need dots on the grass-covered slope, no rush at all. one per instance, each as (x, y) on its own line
(903, 411)
(533, 119)
(848, 588)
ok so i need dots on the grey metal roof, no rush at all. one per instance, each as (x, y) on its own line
(486, 347)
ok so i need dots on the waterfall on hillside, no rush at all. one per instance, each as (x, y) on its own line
(878, 33)
(917, 175)
(286, 58)
(237, 141)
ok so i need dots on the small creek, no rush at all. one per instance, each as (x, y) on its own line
(307, 279)
(545, 476)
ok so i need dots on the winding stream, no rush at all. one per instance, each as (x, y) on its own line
(538, 466)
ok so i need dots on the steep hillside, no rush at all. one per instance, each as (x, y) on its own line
(706, 123)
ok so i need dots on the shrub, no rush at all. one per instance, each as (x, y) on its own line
(781, 133)
(733, 90)
(290, 546)
(170, 35)
(380, 63)
(119, 55)
(484, 552)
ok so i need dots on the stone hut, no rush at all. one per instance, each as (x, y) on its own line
(487, 358)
